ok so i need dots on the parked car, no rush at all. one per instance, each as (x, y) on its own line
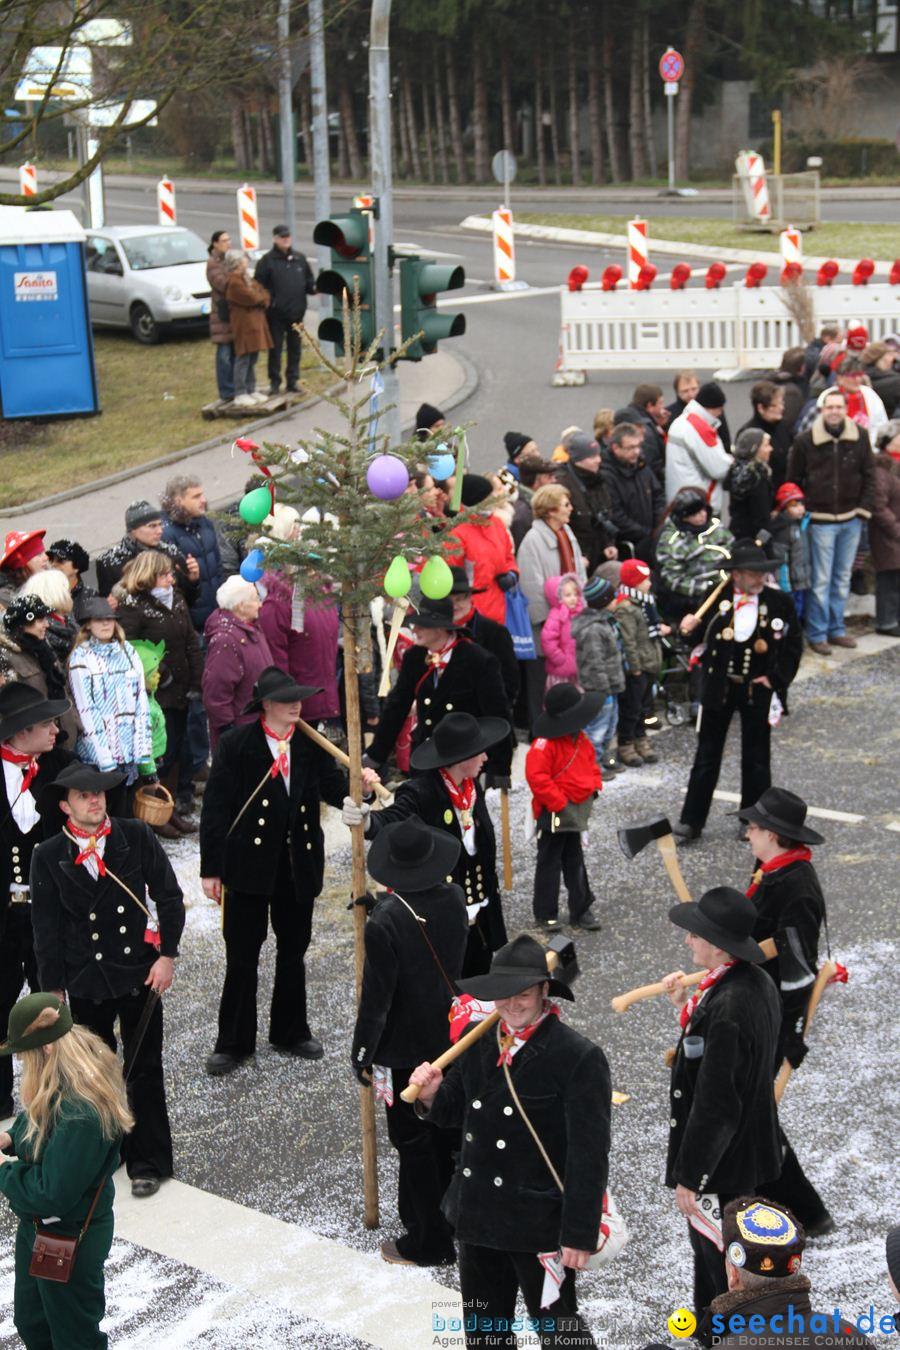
(147, 278)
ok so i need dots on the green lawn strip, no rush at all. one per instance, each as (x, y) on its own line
(150, 399)
(843, 240)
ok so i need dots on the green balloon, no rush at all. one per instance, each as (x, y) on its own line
(397, 579)
(435, 579)
(256, 506)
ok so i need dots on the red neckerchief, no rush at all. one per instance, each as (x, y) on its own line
(782, 860)
(27, 763)
(462, 797)
(92, 836)
(281, 764)
(435, 662)
(856, 405)
(707, 982)
(742, 598)
(511, 1040)
(707, 434)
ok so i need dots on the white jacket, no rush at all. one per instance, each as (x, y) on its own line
(691, 462)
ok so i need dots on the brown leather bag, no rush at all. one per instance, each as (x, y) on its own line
(53, 1255)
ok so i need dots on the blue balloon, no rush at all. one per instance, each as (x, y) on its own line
(253, 565)
(441, 465)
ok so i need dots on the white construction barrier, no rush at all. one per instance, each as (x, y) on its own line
(752, 173)
(165, 201)
(733, 326)
(248, 216)
(28, 180)
(790, 242)
(638, 256)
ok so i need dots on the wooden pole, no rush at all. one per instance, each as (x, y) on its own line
(507, 842)
(354, 742)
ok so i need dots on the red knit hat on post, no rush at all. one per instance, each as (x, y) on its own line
(788, 492)
(633, 572)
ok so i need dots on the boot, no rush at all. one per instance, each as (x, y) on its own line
(629, 756)
(645, 750)
(167, 831)
(180, 820)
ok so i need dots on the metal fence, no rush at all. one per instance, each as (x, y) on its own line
(793, 198)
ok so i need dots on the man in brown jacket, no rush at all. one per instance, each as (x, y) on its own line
(834, 466)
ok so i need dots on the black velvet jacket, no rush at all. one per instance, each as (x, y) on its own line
(16, 848)
(791, 908)
(778, 628)
(723, 1128)
(502, 1194)
(89, 935)
(402, 1017)
(246, 852)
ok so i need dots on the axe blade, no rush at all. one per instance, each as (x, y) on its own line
(564, 949)
(634, 838)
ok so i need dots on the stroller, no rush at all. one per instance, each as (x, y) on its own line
(674, 680)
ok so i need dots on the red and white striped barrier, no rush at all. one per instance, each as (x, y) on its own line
(790, 242)
(504, 246)
(248, 216)
(752, 173)
(638, 256)
(165, 201)
(28, 180)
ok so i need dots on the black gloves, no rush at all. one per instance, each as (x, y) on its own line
(506, 580)
(363, 1073)
(795, 1052)
(497, 780)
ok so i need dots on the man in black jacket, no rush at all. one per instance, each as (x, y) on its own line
(262, 849)
(492, 636)
(636, 499)
(590, 519)
(767, 399)
(723, 1130)
(288, 278)
(444, 672)
(415, 939)
(790, 908)
(751, 651)
(143, 530)
(99, 944)
(445, 793)
(648, 412)
(30, 760)
(526, 1218)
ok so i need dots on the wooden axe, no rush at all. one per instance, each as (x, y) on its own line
(634, 838)
(826, 972)
(622, 1002)
(562, 963)
(336, 753)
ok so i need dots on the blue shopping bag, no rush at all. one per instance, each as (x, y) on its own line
(519, 625)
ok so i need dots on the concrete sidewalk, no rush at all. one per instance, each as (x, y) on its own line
(95, 515)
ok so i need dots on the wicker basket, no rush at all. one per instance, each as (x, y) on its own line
(154, 805)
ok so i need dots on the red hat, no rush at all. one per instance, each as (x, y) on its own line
(788, 492)
(633, 572)
(857, 336)
(21, 547)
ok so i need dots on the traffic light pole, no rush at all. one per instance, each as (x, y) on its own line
(382, 189)
(319, 113)
(286, 116)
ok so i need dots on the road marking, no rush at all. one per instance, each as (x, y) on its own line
(822, 812)
(286, 1265)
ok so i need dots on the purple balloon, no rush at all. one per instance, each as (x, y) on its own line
(387, 477)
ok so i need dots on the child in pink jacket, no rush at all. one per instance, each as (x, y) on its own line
(565, 599)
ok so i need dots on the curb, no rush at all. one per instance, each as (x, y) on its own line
(465, 391)
(558, 235)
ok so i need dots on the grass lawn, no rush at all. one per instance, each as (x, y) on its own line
(840, 239)
(150, 399)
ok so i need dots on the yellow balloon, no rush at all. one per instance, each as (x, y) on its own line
(397, 579)
(436, 579)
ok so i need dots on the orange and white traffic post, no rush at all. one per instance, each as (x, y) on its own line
(790, 241)
(752, 172)
(28, 180)
(638, 255)
(248, 216)
(504, 247)
(165, 201)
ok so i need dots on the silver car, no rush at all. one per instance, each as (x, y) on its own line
(147, 278)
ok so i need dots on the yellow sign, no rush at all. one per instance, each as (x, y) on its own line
(682, 1323)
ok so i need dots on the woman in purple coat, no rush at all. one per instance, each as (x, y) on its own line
(237, 654)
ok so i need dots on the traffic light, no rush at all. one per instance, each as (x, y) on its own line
(421, 281)
(352, 268)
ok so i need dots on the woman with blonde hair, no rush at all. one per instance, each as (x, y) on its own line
(106, 680)
(56, 1166)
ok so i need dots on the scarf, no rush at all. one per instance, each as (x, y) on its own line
(462, 797)
(50, 667)
(856, 408)
(801, 854)
(28, 764)
(566, 552)
(281, 764)
(648, 607)
(75, 832)
(711, 978)
(164, 594)
(512, 1040)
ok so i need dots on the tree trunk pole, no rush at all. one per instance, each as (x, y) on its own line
(358, 882)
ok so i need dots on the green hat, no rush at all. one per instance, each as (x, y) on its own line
(26, 1011)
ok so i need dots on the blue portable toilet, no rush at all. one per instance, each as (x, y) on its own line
(46, 346)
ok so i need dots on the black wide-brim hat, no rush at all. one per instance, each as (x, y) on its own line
(279, 687)
(726, 918)
(747, 555)
(462, 584)
(783, 813)
(434, 614)
(77, 777)
(566, 711)
(456, 737)
(22, 706)
(412, 856)
(514, 968)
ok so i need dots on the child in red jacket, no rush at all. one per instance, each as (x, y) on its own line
(562, 772)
